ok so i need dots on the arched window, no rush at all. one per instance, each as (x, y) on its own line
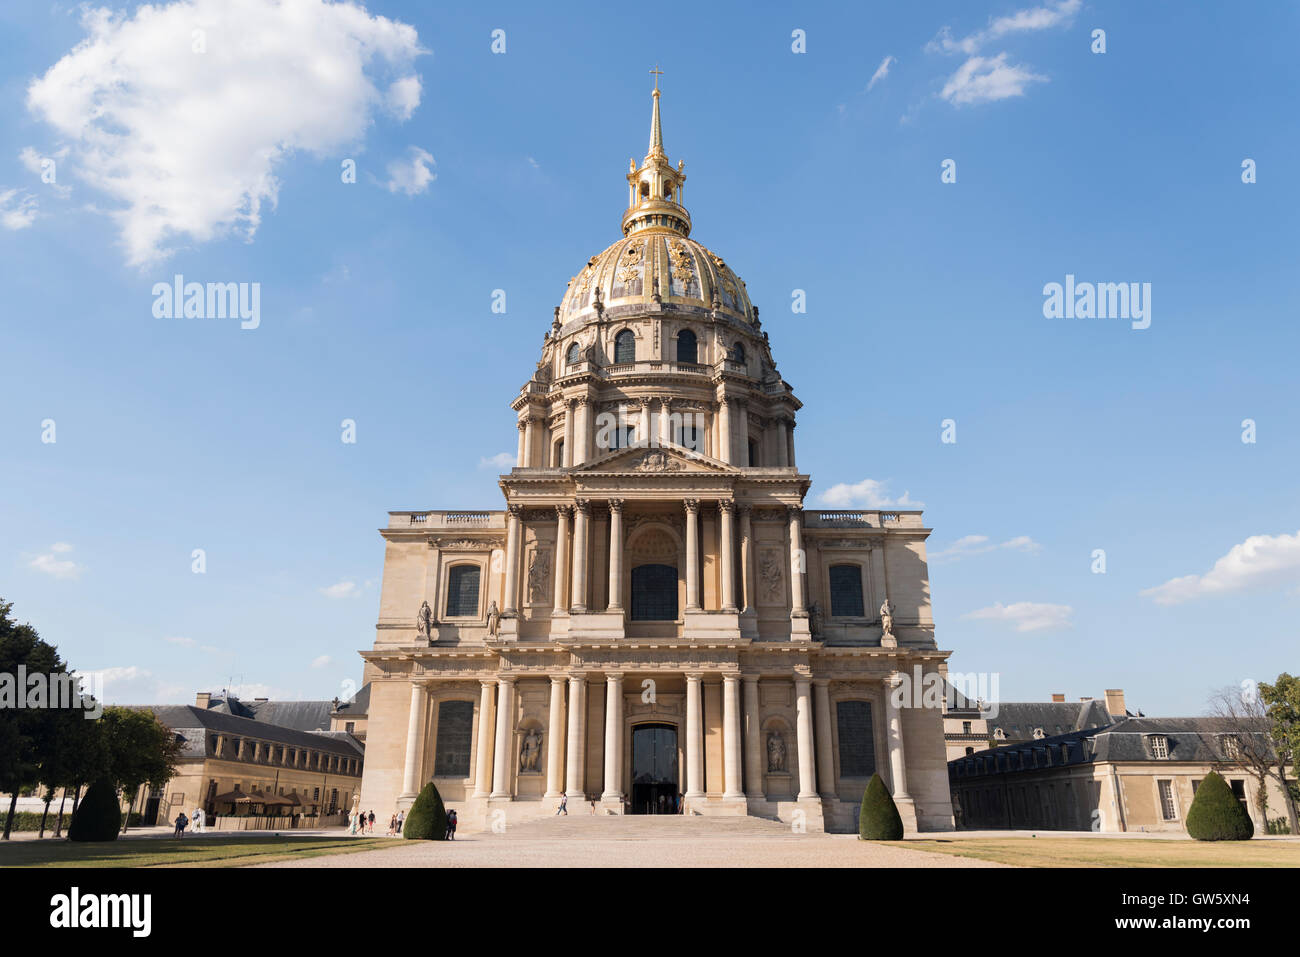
(737, 353)
(687, 347)
(625, 347)
(753, 454)
(846, 591)
(572, 355)
(462, 591)
(557, 458)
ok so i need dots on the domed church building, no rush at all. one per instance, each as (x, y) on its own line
(654, 622)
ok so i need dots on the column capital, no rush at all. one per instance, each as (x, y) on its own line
(506, 679)
(563, 511)
(487, 682)
(694, 676)
(577, 675)
(794, 512)
(611, 676)
(750, 679)
(582, 505)
(821, 682)
(691, 504)
(516, 511)
(744, 508)
(581, 400)
(726, 504)
(730, 677)
(615, 504)
(522, 424)
(558, 679)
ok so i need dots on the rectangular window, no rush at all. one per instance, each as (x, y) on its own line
(965, 727)
(1159, 746)
(455, 728)
(857, 739)
(462, 591)
(1167, 808)
(1239, 792)
(846, 591)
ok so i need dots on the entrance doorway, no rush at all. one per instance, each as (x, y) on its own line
(654, 769)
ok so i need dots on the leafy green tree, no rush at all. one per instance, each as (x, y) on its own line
(1216, 814)
(878, 818)
(427, 819)
(1282, 705)
(139, 750)
(25, 733)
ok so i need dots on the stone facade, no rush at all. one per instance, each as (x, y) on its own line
(654, 614)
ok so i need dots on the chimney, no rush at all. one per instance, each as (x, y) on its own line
(258, 700)
(1086, 697)
(203, 701)
(1115, 702)
(1058, 696)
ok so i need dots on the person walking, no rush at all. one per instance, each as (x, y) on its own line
(372, 823)
(451, 826)
(401, 822)
(564, 806)
(392, 824)
(181, 821)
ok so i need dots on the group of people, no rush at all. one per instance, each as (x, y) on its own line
(362, 823)
(183, 821)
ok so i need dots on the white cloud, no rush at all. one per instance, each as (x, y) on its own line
(187, 143)
(183, 642)
(324, 661)
(130, 684)
(1022, 21)
(980, 544)
(1259, 560)
(502, 460)
(17, 208)
(986, 79)
(411, 175)
(341, 590)
(869, 493)
(1026, 615)
(882, 71)
(51, 564)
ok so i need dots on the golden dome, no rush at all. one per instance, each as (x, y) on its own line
(656, 261)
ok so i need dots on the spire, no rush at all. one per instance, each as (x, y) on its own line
(654, 197)
(656, 133)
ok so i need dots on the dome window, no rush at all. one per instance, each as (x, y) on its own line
(624, 347)
(571, 356)
(687, 347)
(737, 353)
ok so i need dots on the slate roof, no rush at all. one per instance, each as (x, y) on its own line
(1018, 719)
(191, 723)
(359, 706)
(1196, 740)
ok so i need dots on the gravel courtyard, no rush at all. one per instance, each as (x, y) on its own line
(651, 841)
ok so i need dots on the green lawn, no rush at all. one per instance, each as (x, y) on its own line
(1116, 852)
(186, 852)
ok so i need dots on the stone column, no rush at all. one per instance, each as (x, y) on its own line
(897, 763)
(483, 751)
(575, 752)
(414, 741)
(555, 739)
(568, 434)
(727, 555)
(725, 444)
(561, 556)
(692, 554)
(613, 738)
(578, 597)
(581, 429)
(746, 558)
(505, 728)
(665, 421)
(513, 517)
(742, 433)
(781, 446)
(825, 756)
(754, 762)
(530, 444)
(733, 788)
(789, 438)
(616, 554)
(797, 561)
(803, 708)
(519, 455)
(694, 732)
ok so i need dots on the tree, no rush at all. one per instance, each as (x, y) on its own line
(1216, 814)
(1244, 740)
(26, 733)
(140, 750)
(427, 819)
(878, 818)
(1281, 701)
(75, 757)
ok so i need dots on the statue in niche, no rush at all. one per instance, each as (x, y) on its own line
(424, 621)
(776, 752)
(769, 573)
(539, 576)
(494, 619)
(530, 752)
(814, 619)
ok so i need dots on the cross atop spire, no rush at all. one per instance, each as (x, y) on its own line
(657, 74)
(656, 133)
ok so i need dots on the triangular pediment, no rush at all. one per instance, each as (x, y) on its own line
(659, 459)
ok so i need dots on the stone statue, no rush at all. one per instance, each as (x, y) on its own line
(424, 621)
(769, 573)
(886, 619)
(494, 619)
(539, 576)
(530, 752)
(775, 752)
(814, 619)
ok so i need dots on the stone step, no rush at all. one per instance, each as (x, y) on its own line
(641, 826)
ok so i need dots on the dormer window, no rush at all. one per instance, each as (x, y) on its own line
(1159, 746)
(1231, 747)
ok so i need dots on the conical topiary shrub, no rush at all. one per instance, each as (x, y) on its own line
(878, 818)
(98, 817)
(427, 818)
(1216, 814)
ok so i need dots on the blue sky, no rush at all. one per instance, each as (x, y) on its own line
(505, 171)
